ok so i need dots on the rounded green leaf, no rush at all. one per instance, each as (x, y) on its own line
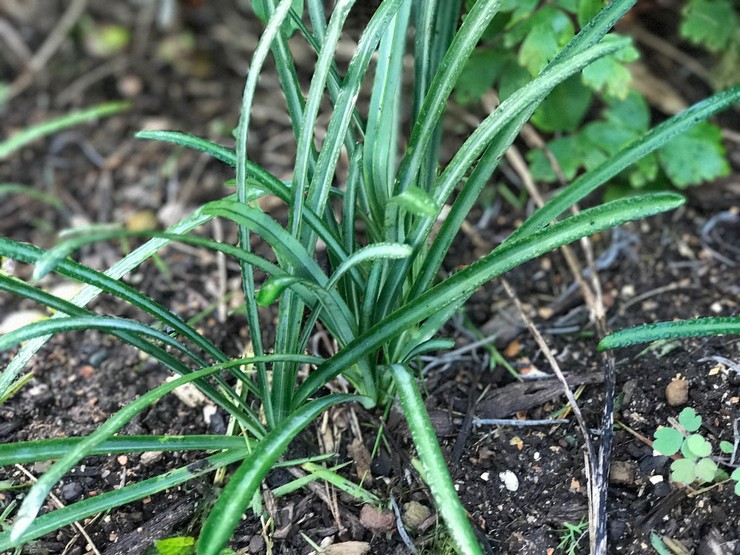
(667, 441)
(735, 474)
(689, 419)
(683, 471)
(698, 445)
(706, 470)
(726, 447)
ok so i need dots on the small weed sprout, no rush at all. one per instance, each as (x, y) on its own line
(571, 536)
(697, 464)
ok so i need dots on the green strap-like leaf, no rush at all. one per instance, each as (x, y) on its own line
(463, 284)
(467, 37)
(653, 140)
(24, 452)
(219, 152)
(37, 494)
(245, 482)
(681, 329)
(105, 501)
(88, 293)
(436, 471)
(30, 134)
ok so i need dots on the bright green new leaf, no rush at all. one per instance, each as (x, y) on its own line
(175, 546)
(698, 445)
(689, 419)
(695, 156)
(710, 23)
(683, 471)
(667, 441)
(706, 470)
(726, 447)
(273, 288)
(417, 202)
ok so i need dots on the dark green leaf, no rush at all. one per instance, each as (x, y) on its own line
(564, 108)
(696, 156)
(710, 23)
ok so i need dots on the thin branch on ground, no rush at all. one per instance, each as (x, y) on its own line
(555, 368)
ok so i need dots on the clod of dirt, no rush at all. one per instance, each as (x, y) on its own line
(414, 514)
(623, 472)
(376, 521)
(677, 393)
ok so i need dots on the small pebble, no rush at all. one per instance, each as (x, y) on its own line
(661, 489)
(377, 521)
(677, 393)
(510, 480)
(256, 544)
(71, 491)
(414, 513)
(623, 472)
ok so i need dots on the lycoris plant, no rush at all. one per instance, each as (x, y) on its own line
(380, 299)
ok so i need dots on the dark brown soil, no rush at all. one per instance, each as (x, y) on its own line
(663, 270)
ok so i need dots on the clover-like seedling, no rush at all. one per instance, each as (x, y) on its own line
(697, 465)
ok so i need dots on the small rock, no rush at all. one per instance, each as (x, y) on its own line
(623, 473)
(71, 491)
(375, 520)
(677, 392)
(414, 513)
(510, 480)
(148, 458)
(347, 548)
(256, 544)
(21, 318)
(661, 489)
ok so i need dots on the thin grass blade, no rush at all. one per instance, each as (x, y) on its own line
(37, 494)
(245, 482)
(700, 327)
(23, 452)
(30, 134)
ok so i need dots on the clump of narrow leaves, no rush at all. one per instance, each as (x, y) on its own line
(380, 297)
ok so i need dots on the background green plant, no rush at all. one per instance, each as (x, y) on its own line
(380, 299)
(524, 36)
